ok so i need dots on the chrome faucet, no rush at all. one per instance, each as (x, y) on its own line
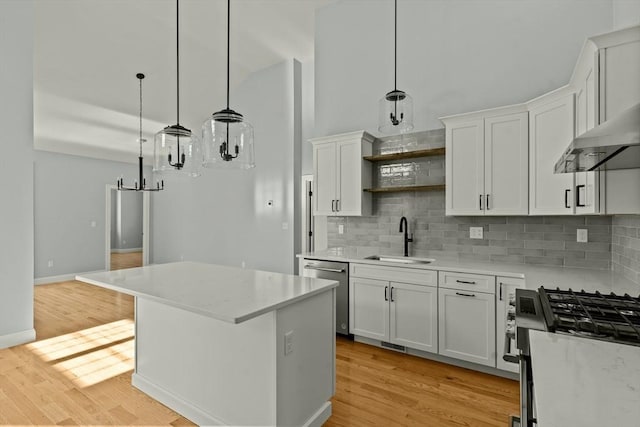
(407, 239)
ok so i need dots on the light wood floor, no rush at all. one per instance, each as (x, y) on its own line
(126, 260)
(79, 372)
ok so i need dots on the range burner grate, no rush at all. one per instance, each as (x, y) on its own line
(609, 317)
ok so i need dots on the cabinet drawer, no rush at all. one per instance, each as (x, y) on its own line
(467, 282)
(395, 274)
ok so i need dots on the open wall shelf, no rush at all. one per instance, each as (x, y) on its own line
(405, 188)
(406, 155)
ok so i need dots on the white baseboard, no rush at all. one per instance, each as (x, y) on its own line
(61, 277)
(125, 251)
(168, 399)
(320, 417)
(17, 338)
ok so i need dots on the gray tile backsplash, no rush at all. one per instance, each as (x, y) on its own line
(625, 246)
(528, 240)
(523, 240)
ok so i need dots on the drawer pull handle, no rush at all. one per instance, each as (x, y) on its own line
(466, 282)
(465, 295)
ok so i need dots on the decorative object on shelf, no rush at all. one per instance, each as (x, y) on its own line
(396, 107)
(176, 149)
(227, 137)
(141, 183)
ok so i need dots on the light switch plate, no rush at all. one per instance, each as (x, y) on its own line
(582, 235)
(288, 343)
(476, 232)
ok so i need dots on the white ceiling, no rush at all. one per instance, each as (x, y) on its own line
(87, 53)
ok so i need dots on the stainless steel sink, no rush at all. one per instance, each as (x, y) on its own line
(400, 259)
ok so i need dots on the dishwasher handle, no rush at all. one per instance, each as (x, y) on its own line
(330, 270)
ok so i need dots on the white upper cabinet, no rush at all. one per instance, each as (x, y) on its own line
(487, 162)
(551, 129)
(340, 174)
(606, 82)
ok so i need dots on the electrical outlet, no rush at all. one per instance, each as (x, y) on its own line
(50, 263)
(475, 232)
(288, 343)
(582, 235)
(340, 228)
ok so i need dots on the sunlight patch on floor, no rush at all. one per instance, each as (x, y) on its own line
(92, 355)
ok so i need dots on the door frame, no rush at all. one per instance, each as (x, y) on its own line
(146, 209)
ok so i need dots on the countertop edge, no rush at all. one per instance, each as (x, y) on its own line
(234, 320)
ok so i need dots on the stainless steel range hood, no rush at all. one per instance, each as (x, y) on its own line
(615, 144)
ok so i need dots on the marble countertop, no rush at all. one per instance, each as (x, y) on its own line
(587, 279)
(225, 293)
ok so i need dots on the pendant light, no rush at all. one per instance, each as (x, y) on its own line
(176, 149)
(396, 107)
(141, 184)
(227, 137)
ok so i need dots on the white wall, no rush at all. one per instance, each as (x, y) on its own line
(626, 13)
(69, 194)
(16, 172)
(453, 55)
(222, 217)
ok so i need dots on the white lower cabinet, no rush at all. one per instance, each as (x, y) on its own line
(400, 313)
(467, 325)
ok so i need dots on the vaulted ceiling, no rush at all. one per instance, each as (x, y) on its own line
(87, 53)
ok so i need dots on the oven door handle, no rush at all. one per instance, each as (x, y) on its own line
(507, 356)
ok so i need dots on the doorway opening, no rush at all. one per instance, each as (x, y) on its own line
(126, 229)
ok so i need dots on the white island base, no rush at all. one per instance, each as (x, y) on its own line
(216, 372)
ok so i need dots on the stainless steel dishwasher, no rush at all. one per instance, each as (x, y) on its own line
(338, 271)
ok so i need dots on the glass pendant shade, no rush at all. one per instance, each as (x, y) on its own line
(396, 112)
(177, 151)
(228, 141)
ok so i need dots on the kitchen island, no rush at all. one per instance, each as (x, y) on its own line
(228, 346)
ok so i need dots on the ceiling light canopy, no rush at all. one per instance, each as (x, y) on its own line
(396, 107)
(227, 137)
(176, 149)
(141, 184)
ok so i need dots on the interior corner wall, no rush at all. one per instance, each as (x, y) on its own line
(224, 216)
(70, 195)
(307, 110)
(16, 172)
(454, 56)
(626, 13)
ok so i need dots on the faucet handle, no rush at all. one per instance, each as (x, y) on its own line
(410, 239)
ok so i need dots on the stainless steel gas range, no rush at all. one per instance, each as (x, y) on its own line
(579, 357)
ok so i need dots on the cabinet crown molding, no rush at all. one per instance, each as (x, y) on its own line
(349, 136)
(482, 114)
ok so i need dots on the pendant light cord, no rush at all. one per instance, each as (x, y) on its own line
(395, 47)
(228, 44)
(177, 62)
(140, 79)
